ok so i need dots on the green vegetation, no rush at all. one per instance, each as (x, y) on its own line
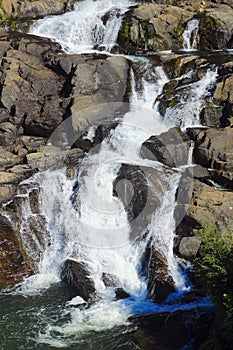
(214, 267)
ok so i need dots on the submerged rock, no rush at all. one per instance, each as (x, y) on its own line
(110, 280)
(77, 276)
(121, 294)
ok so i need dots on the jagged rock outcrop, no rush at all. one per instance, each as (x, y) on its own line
(14, 263)
(41, 87)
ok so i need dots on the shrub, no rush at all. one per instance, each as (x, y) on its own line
(214, 266)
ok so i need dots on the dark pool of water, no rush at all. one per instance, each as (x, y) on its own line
(22, 319)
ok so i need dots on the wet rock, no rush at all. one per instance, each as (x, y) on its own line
(36, 238)
(77, 302)
(140, 189)
(110, 280)
(34, 201)
(160, 282)
(170, 148)
(121, 294)
(173, 330)
(14, 264)
(74, 158)
(77, 276)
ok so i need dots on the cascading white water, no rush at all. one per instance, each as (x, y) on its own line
(190, 35)
(187, 112)
(92, 25)
(102, 220)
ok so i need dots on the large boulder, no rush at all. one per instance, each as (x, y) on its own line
(187, 247)
(140, 189)
(31, 93)
(99, 90)
(199, 204)
(77, 276)
(154, 27)
(14, 264)
(215, 28)
(214, 149)
(170, 148)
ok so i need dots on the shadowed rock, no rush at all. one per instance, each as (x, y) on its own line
(77, 276)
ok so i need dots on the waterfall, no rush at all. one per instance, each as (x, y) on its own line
(101, 221)
(190, 35)
(92, 25)
(186, 112)
(98, 233)
(83, 219)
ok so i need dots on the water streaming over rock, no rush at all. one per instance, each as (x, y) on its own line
(190, 35)
(187, 111)
(92, 25)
